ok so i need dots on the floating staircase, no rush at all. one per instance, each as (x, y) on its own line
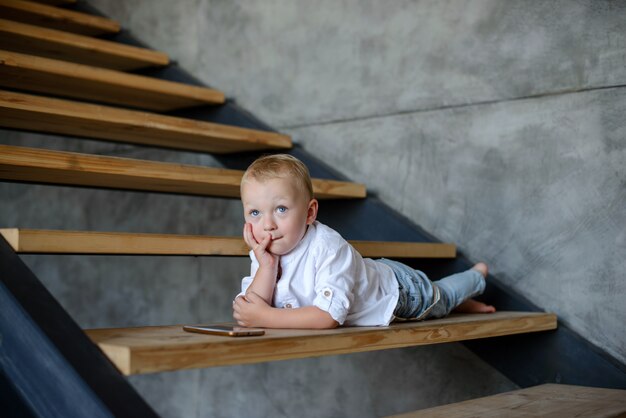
(157, 349)
(57, 167)
(57, 18)
(50, 51)
(44, 114)
(549, 400)
(70, 47)
(29, 241)
(56, 2)
(77, 81)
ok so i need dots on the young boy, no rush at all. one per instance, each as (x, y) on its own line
(305, 275)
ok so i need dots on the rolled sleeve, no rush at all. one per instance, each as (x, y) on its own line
(247, 281)
(335, 283)
(245, 284)
(336, 308)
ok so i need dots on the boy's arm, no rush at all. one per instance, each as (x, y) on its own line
(253, 311)
(264, 280)
(263, 284)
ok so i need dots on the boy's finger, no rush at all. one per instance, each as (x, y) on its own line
(248, 237)
(248, 242)
(251, 233)
(266, 241)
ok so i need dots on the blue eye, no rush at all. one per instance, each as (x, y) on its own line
(254, 213)
(281, 209)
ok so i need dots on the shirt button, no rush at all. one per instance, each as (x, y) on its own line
(327, 293)
(288, 306)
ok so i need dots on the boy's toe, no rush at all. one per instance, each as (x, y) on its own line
(481, 268)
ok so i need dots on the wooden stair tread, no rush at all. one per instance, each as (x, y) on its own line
(166, 348)
(43, 114)
(44, 75)
(55, 44)
(60, 167)
(56, 2)
(56, 18)
(549, 400)
(34, 241)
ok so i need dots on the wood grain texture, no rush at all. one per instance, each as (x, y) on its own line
(42, 114)
(550, 400)
(44, 75)
(404, 249)
(56, 167)
(55, 44)
(166, 348)
(56, 18)
(40, 241)
(12, 236)
(56, 2)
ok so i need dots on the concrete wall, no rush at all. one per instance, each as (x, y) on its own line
(494, 125)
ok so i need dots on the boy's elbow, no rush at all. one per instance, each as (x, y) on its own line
(327, 321)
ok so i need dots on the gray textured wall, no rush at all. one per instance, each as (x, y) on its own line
(498, 126)
(494, 125)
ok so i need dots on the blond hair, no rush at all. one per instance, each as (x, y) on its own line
(280, 165)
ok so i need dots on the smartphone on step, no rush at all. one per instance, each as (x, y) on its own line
(226, 330)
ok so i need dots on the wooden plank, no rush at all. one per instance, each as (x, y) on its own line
(165, 348)
(44, 75)
(43, 114)
(12, 236)
(56, 167)
(550, 400)
(50, 43)
(404, 249)
(56, 2)
(123, 243)
(56, 18)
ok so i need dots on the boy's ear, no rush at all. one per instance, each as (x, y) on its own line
(312, 211)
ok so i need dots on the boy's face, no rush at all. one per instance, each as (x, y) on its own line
(276, 207)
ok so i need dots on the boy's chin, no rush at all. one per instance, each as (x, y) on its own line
(279, 249)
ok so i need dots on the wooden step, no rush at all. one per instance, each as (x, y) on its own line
(166, 348)
(56, 18)
(31, 241)
(36, 113)
(56, 167)
(44, 75)
(50, 43)
(56, 2)
(549, 400)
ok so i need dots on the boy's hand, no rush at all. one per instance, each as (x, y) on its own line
(250, 311)
(265, 258)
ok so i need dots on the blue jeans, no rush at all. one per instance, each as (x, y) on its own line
(421, 299)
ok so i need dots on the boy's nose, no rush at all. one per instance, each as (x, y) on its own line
(269, 226)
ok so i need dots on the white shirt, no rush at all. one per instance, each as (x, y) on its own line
(324, 270)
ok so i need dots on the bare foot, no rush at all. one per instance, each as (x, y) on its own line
(481, 268)
(474, 306)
